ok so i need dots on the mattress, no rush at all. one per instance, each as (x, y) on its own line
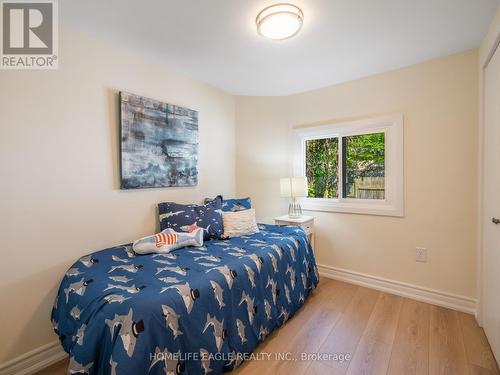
(197, 310)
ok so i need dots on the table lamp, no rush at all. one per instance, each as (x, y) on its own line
(294, 187)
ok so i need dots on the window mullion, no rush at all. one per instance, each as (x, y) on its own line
(340, 169)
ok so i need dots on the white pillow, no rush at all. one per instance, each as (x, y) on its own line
(239, 223)
(167, 241)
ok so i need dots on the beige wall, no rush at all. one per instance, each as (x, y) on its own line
(59, 184)
(439, 101)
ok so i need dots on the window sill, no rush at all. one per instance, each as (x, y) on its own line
(366, 207)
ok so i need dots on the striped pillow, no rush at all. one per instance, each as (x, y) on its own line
(239, 223)
(167, 241)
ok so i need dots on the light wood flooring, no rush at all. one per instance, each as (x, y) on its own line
(384, 334)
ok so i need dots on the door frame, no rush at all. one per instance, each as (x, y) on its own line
(488, 48)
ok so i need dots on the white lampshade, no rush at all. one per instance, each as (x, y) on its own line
(293, 187)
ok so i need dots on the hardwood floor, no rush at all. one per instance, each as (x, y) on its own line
(384, 334)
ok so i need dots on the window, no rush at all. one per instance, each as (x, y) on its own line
(322, 167)
(363, 161)
(353, 167)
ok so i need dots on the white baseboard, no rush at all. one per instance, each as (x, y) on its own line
(432, 296)
(35, 360)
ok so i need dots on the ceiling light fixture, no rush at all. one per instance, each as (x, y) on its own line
(279, 21)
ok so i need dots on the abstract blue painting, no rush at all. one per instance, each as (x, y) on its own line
(159, 143)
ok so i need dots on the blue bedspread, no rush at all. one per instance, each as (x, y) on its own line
(194, 311)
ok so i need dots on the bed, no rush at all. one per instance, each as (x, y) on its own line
(197, 310)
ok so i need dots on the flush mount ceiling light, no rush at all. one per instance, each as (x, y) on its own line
(279, 21)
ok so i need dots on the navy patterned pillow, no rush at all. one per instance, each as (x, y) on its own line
(232, 205)
(236, 204)
(188, 217)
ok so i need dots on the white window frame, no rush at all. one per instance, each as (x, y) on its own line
(392, 127)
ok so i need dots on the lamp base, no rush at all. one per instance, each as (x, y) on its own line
(294, 209)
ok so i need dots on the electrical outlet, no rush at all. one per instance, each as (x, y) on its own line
(421, 254)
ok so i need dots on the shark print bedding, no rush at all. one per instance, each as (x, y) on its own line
(197, 310)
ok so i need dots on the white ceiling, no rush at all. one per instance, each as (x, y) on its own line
(216, 41)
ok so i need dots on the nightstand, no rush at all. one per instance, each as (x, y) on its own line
(306, 222)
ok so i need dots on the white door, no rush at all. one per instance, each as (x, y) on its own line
(491, 204)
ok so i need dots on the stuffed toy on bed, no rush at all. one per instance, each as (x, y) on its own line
(167, 241)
